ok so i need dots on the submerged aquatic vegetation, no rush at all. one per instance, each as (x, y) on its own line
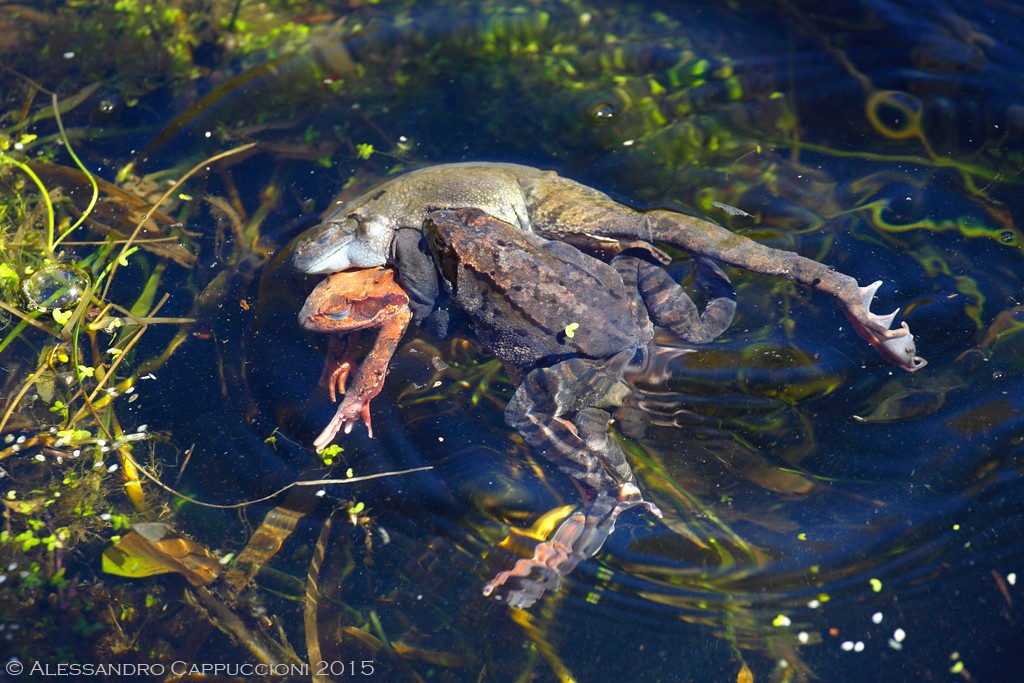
(331, 94)
(70, 343)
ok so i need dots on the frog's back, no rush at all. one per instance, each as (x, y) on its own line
(406, 200)
(533, 302)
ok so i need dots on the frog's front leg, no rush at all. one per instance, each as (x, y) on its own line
(667, 302)
(339, 363)
(368, 380)
(342, 304)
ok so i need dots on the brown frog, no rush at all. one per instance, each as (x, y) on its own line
(565, 324)
(342, 305)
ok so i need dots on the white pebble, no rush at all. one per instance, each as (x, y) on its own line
(847, 646)
(877, 617)
(899, 635)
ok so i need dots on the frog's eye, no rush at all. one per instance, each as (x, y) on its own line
(337, 226)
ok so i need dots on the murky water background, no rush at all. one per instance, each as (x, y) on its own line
(826, 515)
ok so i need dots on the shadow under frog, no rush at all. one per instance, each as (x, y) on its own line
(565, 325)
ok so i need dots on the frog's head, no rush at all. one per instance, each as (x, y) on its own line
(352, 301)
(438, 230)
(343, 240)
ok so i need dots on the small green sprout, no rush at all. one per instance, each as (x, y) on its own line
(364, 150)
(328, 454)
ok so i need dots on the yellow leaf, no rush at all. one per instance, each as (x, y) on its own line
(745, 675)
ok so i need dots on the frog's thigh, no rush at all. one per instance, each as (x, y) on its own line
(533, 412)
(592, 426)
(669, 305)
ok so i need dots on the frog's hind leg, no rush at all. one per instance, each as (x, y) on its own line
(669, 305)
(536, 412)
(582, 448)
(579, 444)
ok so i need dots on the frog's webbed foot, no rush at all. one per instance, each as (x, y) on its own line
(895, 345)
(551, 560)
(351, 410)
(579, 537)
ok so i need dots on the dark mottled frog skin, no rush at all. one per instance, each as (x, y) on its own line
(363, 231)
(566, 325)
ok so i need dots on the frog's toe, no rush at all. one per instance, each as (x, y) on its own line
(895, 345)
(351, 411)
(630, 496)
(327, 435)
(881, 323)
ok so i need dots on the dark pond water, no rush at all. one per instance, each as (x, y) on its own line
(827, 516)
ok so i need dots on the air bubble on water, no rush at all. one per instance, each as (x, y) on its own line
(603, 111)
(57, 286)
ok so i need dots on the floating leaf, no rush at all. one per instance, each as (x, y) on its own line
(148, 550)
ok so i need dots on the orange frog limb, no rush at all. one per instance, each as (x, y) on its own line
(342, 305)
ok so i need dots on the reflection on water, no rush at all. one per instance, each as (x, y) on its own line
(824, 516)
